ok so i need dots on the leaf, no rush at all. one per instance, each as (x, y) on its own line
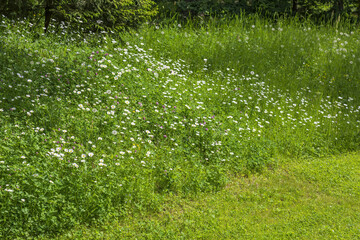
(7, 148)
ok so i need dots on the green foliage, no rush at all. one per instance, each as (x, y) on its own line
(106, 15)
(258, 154)
(307, 199)
(318, 9)
(19, 8)
(92, 129)
(94, 15)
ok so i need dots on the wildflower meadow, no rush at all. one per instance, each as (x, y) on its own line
(93, 126)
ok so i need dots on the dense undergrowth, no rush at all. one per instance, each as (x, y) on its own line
(91, 127)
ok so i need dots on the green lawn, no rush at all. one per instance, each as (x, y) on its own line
(302, 199)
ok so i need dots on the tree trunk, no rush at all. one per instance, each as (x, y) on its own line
(294, 6)
(48, 13)
(340, 6)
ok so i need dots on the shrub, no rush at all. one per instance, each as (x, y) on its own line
(106, 15)
(86, 15)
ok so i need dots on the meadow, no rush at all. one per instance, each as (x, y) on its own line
(96, 126)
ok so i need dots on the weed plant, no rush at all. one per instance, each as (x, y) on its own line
(92, 128)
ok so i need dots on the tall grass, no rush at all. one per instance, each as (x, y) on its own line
(92, 128)
(287, 52)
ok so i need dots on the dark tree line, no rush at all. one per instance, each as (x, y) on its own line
(301, 7)
(128, 14)
(86, 14)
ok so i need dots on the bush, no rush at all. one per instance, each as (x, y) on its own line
(91, 15)
(107, 15)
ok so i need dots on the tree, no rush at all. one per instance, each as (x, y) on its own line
(48, 12)
(87, 14)
(340, 5)
(294, 6)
